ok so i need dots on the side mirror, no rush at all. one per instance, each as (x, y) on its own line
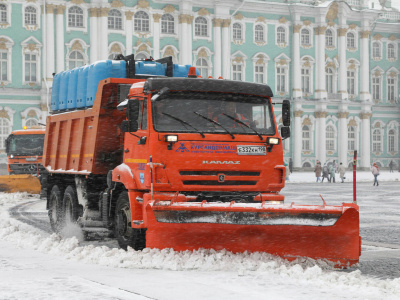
(286, 113)
(132, 115)
(285, 132)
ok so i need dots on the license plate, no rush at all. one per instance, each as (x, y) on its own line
(251, 150)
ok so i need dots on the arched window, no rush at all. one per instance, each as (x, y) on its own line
(305, 37)
(142, 21)
(76, 59)
(200, 27)
(259, 33)
(167, 24)
(376, 50)
(3, 13)
(30, 67)
(3, 65)
(30, 15)
(75, 17)
(328, 38)
(202, 66)
(351, 138)
(141, 56)
(392, 142)
(31, 122)
(351, 42)
(259, 73)
(391, 51)
(237, 31)
(306, 165)
(5, 130)
(306, 138)
(329, 80)
(330, 138)
(114, 19)
(376, 141)
(280, 35)
(114, 55)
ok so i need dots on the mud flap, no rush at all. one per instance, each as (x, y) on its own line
(20, 183)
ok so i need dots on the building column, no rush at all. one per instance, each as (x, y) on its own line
(182, 39)
(50, 58)
(189, 47)
(93, 13)
(320, 135)
(217, 48)
(365, 94)
(226, 49)
(60, 57)
(342, 63)
(156, 37)
(297, 139)
(343, 136)
(365, 139)
(129, 32)
(296, 89)
(320, 76)
(102, 34)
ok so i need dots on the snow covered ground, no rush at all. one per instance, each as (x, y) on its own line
(37, 265)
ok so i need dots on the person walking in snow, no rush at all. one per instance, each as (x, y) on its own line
(332, 173)
(391, 166)
(325, 173)
(291, 165)
(342, 171)
(375, 172)
(317, 171)
(335, 166)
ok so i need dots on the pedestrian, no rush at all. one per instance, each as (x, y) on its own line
(342, 171)
(287, 171)
(325, 173)
(291, 165)
(375, 172)
(317, 171)
(331, 173)
(335, 166)
(391, 166)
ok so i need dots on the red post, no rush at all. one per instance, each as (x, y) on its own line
(354, 177)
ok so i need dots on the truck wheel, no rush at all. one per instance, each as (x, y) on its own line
(70, 205)
(125, 234)
(55, 209)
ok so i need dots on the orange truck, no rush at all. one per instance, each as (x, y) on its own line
(186, 163)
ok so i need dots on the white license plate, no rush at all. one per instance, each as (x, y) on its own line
(251, 150)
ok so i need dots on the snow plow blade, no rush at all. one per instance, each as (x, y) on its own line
(20, 183)
(289, 231)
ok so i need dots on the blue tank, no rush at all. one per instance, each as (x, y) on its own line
(82, 86)
(55, 91)
(150, 68)
(182, 70)
(72, 88)
(64, 81)
(101, 70)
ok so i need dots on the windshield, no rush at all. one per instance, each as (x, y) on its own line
(213, 113)
(26, 144)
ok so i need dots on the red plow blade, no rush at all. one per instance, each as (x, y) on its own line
(289, 231)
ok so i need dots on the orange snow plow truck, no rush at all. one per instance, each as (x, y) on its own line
(186, 163)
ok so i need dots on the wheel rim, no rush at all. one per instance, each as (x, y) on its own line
(123, 221)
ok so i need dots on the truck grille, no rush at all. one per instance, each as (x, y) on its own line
(203, 178)
(215, 173)
(211, 182)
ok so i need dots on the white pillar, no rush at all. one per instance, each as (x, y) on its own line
(226, 49)
(296, 89)
(93, 34)
(320, 91)
(103, 34)
(181, 38)
(343, 137)
(217, 48)
(156, 36)
(129, 32)
(342, 63)
(297, 139)
(183, 44)
(189, 47)
(320, 138)
(60, 57)
(365, 94)
(365, 139)
(50, 40)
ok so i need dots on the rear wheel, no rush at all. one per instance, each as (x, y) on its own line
(55, 209)
(70, 205)
(125, 234)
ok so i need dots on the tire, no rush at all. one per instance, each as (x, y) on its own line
(125, 234)
(70, 206)
(55, 209)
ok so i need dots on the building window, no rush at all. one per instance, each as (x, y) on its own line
(330, 138)
(200, 27)
(306, 138)
(113, 55)
(30, 67)
(305, 80)
(390, 89)
(3, 13)
(259, 34)
(5, 130)
(259, 73)
(305, 37)
(328, 38)
(30, 15)
(3, 65)
(376, 50)
(351, 41)
(280, 35)
(237, 31)
(167, 24)
(237, 71)
(202, 67)
(392, 141)
(280, 80)
(114, 19)
(142, 22)
(351, 82)
(376, 88)
(376, 141)
(75, 17)
(31, 122)
(76, 59)
(351, 138)
(391, 51)
(329, 80)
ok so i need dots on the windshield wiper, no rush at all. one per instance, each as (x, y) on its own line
(240, 122)
(184, 122)
(215, 122)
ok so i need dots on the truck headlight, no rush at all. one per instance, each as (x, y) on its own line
(171, 138)
(11, 156)
(273, 141)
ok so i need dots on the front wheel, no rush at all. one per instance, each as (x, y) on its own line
(125, 234)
